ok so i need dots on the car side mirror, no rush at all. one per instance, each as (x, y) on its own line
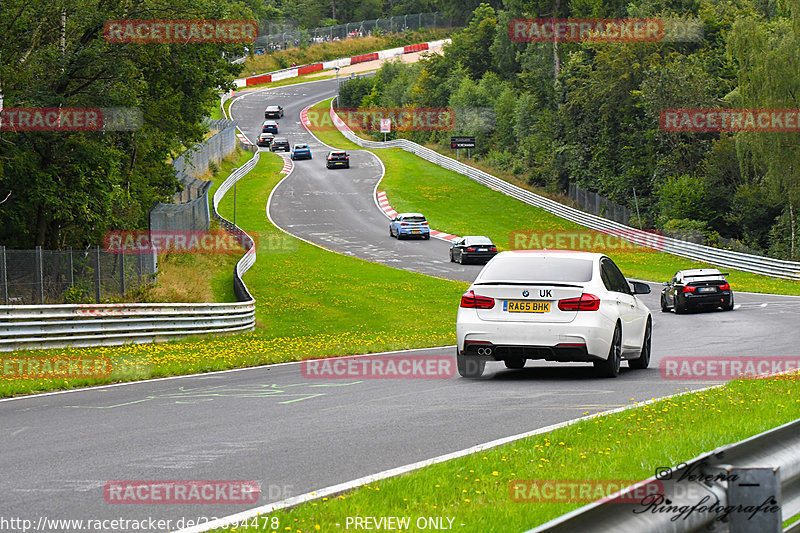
(666, 284)
(640, 288)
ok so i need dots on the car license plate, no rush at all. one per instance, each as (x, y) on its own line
(516, 306)
(708, 289)
(414, 231)
(481, 249)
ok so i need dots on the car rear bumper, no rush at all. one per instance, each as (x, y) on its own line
(414, 233)
(586, 338)
(696, 301)
(479, 256)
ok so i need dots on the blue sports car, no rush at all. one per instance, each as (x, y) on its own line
(301, 151)
(409, 225)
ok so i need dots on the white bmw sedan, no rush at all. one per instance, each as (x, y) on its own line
(556, 306)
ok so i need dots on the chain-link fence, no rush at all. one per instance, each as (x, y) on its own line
(71, 276)
(190, 208)
(279, 37)
(598, 205)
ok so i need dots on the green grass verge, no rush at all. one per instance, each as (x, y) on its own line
(311, 303)
(475, 490)
(449, 201)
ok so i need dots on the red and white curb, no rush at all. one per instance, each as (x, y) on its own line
(304, 118)
(288, 164)
(327, 65)
(390, 213)
(244, 140)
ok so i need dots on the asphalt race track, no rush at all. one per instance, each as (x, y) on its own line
(295, 435)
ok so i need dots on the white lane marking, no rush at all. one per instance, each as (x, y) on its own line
(203, 374)
(736, 306)
(349, 485)
(764, 304)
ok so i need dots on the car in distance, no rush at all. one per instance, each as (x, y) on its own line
(265, 139)
(409, 225)
(553, 305)
(472, 248)
(697, 288)
(269, 126)
(301, 151)
(338, 159)
(273, 111)
(280, 143)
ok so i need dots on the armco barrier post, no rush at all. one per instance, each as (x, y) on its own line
(71, 268)
(122, 273)
(97, 272)
(39, 275)
(4, 271)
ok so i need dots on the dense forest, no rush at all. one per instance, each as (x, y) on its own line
(588, 112)
(68, 188)
(314, 13)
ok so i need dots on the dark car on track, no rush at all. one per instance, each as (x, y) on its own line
(301, 151)
(338, 159)
(699, 288)
(265, 139)
(273, 111)
(409, 225)
(472, 248)
(269, 126)
(280, 143)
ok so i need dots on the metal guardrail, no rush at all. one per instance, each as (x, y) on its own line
(725, 258)
(763, 468)
(249, 257)
(79, 325)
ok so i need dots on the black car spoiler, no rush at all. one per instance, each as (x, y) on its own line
(707, 275)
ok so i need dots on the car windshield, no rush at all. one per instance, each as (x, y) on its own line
(537, 268)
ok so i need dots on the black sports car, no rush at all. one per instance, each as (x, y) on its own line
(698, 288)
(472, 248)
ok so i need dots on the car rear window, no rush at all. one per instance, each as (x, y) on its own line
(479, 240)
(537, 268)
(338, 155)
(413, 219)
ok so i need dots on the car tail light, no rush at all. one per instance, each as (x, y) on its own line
(493, 249)
(470, 250)
(725, 287)
(471, 301)
(689, 288)
(586, 302)
(404, 223)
